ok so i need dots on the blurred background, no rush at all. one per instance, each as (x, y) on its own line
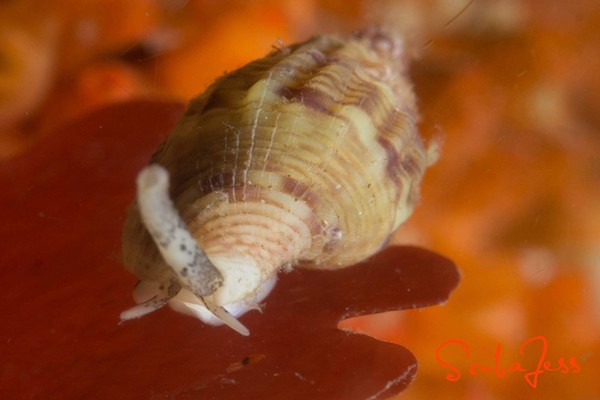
(513, 88)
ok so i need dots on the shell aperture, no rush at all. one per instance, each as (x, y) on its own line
(180, 250)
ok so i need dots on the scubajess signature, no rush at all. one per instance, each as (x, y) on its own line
(537, 345)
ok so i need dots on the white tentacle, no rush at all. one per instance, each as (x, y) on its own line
(178, 247)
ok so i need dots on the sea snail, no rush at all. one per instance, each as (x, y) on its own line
(308, 157)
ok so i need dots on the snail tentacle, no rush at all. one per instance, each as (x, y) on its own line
(224, 316)
(174, 241)
(178, 247)
(161, 296)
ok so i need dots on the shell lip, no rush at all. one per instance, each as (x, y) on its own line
(150, 296)
(187, 303)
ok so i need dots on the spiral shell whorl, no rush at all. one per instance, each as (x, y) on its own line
(309, 155)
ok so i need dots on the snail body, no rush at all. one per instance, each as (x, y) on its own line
(308, 157)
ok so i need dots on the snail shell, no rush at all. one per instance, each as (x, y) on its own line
(308, 157)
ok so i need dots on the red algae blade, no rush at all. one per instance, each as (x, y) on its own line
(64, 203)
